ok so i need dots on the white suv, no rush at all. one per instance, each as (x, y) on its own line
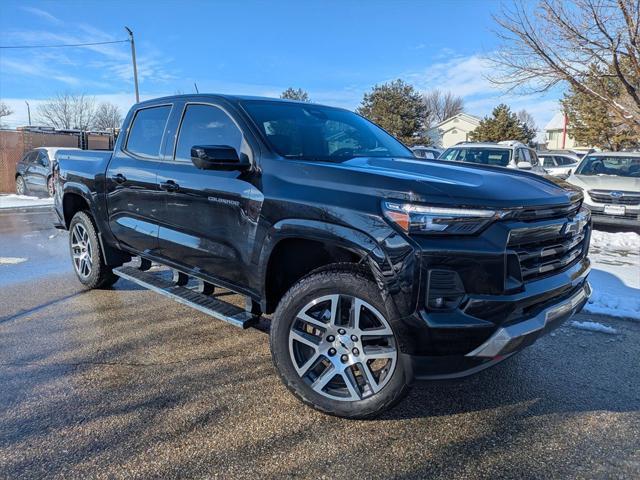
(611, 185)
(509, 154)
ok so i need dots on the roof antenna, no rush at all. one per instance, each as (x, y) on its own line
(196, 85)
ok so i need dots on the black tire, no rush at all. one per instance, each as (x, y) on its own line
(346, 282)
(98, 274)
(21, 186)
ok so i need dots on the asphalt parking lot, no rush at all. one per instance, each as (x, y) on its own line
(124, 383)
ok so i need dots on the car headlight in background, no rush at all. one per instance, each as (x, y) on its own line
(425, 219)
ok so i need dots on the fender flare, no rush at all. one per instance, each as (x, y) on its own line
(80, 190)
(347, 238)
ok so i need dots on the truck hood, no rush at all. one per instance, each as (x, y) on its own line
(452, 182)
(605, 182)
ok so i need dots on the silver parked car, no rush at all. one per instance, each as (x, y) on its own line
(611, 182)
(509, 154)
(429, 153)
(557, 164)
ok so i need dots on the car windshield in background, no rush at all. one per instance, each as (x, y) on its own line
(618, 166)
(311, 132)
(484, 156)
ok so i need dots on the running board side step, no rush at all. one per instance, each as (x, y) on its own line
(206, 304)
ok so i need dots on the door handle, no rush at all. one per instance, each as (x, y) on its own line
(169, 186)
(119, 178)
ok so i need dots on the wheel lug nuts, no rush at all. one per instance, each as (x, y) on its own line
(330, 338)
(354, 338)
(342, 331)
(344, 358)
(356, 352)
(332, 351)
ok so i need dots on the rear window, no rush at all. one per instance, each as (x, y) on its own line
(145, 137)
(484, 156)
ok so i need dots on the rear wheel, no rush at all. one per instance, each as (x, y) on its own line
(335, 348)
(21, 186)
(86, 253)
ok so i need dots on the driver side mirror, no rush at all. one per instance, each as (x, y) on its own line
(217, 157)
(524, 165)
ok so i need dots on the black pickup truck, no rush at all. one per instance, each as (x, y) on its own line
(375, 268)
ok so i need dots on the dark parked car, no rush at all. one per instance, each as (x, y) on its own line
(34, 172)
(377, 269)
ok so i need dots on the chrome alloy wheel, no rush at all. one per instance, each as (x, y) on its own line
(342, 347)
(81, 250)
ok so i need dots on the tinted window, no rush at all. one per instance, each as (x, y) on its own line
(484, 156)
(313, 132)
(548, 162)
(525, 155)
(31, 157)
(206, 125)
(43, 159)
(565, 161)
(147, 130)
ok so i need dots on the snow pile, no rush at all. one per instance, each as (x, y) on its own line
(615, 277)
(17, 201)
(594, 327)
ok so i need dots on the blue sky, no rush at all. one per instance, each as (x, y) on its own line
(334, 50)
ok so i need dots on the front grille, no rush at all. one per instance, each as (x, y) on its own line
(547, 213)
(618, 198)
(549, 249)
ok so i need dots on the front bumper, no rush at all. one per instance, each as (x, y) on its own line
(509, 339)
(631, 218)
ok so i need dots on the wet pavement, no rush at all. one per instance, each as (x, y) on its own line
(124, 383)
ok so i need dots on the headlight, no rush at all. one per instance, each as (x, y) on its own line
(438, 220)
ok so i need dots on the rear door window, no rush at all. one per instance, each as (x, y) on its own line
(147, 131)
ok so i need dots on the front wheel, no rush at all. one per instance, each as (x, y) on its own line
(335, 348)
(21, 186)
(86, 253)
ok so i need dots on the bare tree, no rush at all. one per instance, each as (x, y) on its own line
(527, 119)
(441, 106)
(107, 117)
(67, 111)
(5, 111)
(569, 41)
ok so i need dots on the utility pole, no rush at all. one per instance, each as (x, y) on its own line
(133, 58)
(28, 111)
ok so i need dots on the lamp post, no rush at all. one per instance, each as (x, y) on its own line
(133, 59)
(28, 111)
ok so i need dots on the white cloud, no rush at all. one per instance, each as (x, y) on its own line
(467, 76)
(42, 14)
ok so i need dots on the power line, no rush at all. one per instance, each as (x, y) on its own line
(65, 45)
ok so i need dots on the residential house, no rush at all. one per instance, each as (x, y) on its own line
(453, 130)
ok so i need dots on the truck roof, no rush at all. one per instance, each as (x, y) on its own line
(230, 98)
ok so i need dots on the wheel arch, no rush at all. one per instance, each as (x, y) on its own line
(306, 245)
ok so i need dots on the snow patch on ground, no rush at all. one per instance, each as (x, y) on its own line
(594, 327)
(16, 201)
(11, 260)
(615, 277)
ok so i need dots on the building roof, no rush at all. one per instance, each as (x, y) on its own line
(556, 123)
(463, 116)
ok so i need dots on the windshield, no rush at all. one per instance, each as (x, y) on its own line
(484, 156)
(313, 132)
(603, 165)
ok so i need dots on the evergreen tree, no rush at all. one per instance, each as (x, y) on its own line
(502, 125)
(591, 121)
(295, 94)
(399, 109)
